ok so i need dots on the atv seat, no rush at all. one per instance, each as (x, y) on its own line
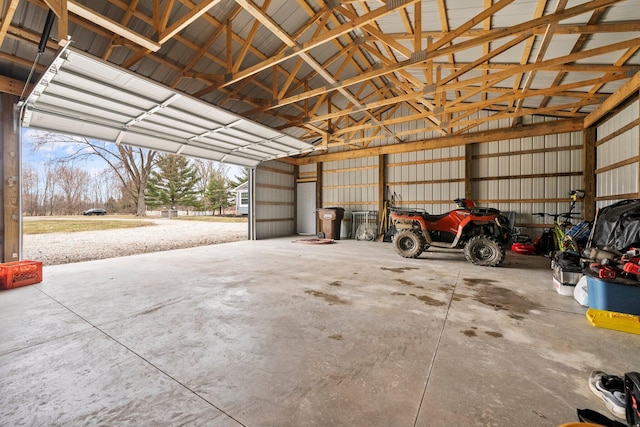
(429, 217)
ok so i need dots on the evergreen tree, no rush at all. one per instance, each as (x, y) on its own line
(217, 192)
(239, 179)
(172, 183)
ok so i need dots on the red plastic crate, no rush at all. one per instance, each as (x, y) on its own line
(20, 273)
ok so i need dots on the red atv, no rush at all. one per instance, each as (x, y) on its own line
(482, 232)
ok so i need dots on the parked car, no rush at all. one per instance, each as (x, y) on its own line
(94, 211)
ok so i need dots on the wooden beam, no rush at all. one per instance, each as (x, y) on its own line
(10, 186)
(589, 173)
(261, 17)
(6, 19)
(112, 26)
(194, 13)
(538, 129)
(382, 186)
(319, 198)
(469, 170)
(498, 76)
(457, 106)
(316, 41)
(12, 87)
(571, 29)
(577, 47)
(63, 23)
(627, 90)
(114, 39)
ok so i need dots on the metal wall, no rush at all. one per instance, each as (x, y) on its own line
(529, 175)
(617, 156)
(427, 179)
(274, 200)
(352, 185)
(525, 176)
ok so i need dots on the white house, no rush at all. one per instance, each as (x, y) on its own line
(242, 199)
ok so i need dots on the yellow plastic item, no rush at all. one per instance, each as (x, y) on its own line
(616, 321)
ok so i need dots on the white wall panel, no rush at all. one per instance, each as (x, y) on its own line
(613, 150)
(352, 185)
(308, 168)
(546, 156)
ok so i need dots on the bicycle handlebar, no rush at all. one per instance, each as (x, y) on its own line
(556, 216)
(576, 194)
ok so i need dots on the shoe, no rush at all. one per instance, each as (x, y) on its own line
(609, 388)
(594, 418)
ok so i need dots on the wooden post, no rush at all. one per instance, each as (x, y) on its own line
(296, 175)
(589, 173)
(382, 184)
(10, 186)
(318, 193)
(468, 171)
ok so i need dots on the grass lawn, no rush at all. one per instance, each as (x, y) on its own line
(212, 218)
(71, 224)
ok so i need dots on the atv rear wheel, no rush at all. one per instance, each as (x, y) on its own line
(409, 243)
(484, 250)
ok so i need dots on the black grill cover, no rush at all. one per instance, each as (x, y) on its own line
(618, 226)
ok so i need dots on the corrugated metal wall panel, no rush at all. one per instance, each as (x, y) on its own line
(308, 168)
(352, 185)
(274, 212)
(514, 175)
(427, 179)
(617, 142)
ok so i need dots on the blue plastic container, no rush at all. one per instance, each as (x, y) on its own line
(612, 296)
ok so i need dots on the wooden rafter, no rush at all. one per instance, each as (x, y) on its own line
(184, 22)
(315, 42)
(343, 76)
(542, 50)
(109, 24)
(577, 47)
(6, 19)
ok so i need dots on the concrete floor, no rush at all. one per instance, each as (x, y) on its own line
(276, 333)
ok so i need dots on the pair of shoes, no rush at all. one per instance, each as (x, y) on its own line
(609, 388)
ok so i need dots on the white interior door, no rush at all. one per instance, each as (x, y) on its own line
(306, 208)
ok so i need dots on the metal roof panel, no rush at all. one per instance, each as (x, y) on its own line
(116, 105)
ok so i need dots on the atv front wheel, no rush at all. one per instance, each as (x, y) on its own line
(486, 251)
(409, 243)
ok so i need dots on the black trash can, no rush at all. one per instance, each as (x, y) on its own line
(331, 221)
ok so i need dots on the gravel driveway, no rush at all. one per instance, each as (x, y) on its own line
(166, 234)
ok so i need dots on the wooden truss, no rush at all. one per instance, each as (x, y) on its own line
(349, 75)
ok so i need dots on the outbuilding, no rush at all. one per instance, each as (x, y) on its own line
(363, 105)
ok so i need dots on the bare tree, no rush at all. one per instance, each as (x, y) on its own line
(73, 183)
(30, 190)
(132, 165)
(50, 185)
